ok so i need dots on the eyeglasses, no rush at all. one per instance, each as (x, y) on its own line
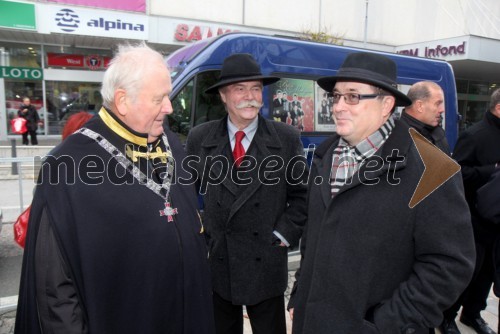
(353, 98)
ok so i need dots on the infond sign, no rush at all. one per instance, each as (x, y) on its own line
(8, 72)
(98, 23)
(439, 51)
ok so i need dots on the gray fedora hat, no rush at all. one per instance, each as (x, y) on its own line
(370, 68)
(240, 67)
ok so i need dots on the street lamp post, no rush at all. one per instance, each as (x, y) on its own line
(366, 24)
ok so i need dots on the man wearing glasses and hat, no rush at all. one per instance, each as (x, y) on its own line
(371, 262)
(249, 171)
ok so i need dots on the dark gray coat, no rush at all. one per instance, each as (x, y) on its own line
(371, 264)
(247, 265)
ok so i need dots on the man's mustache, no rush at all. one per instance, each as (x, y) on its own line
(249, 104)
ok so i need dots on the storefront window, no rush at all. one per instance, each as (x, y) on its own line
(67, 98)
(473, 101)
(462, 86)
(15, 59)
(478, 88)
(493, 87)
(15, 90)
(20, 55)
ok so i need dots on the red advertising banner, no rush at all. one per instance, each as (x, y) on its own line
(129, 5)
(92, 62)
(64, 60)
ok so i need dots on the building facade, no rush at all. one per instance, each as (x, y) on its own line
(55, 51)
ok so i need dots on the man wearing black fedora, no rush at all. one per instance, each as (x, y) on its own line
(249, 172)
(374, 261)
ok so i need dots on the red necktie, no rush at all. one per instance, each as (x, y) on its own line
(238, 151)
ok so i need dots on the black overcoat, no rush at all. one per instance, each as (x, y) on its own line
(435, 134)
(133, 270)
(372, 264)
(31, 116)
(477, 151)
(247, 266)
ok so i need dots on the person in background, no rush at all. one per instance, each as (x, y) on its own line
(115, 244)
(488, 201)
(251, 218)
(478, 153)
(372, 260)
(488, 206)
(286, 102)
(28, 112)
(279, 106)
(426, 113)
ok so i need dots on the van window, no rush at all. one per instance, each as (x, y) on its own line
(209, 107)
(180, 120)
(191, 100)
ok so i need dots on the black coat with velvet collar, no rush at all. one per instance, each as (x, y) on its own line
(372, 264)
(132, 270)
(247, 267)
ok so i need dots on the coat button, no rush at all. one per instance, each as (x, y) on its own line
(255, 233)
(220, 258)
(218, 203)
(228, 231)
(257, 259)
(256, 204)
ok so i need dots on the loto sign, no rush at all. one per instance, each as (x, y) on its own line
(8, 72)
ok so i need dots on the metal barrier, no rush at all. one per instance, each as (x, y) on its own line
(18, 161)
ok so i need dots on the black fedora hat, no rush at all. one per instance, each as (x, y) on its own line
(370, 68)
(240, 67)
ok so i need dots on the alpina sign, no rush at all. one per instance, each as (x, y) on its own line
(98, 23)
(439, 51)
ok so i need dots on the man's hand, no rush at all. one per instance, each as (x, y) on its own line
(290, 311)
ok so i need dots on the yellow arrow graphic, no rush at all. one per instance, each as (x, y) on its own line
(439, 168)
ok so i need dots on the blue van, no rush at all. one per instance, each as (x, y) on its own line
(299, 64)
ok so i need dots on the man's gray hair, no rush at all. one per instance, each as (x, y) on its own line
(495, 99)
(127, 69)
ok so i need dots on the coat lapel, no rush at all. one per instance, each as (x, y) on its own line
(217, 144)
(322, 159)
(265, 143)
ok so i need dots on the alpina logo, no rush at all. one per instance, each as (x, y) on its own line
(67, 20)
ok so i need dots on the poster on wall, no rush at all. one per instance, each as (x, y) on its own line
(323, 114)
(293, 103)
